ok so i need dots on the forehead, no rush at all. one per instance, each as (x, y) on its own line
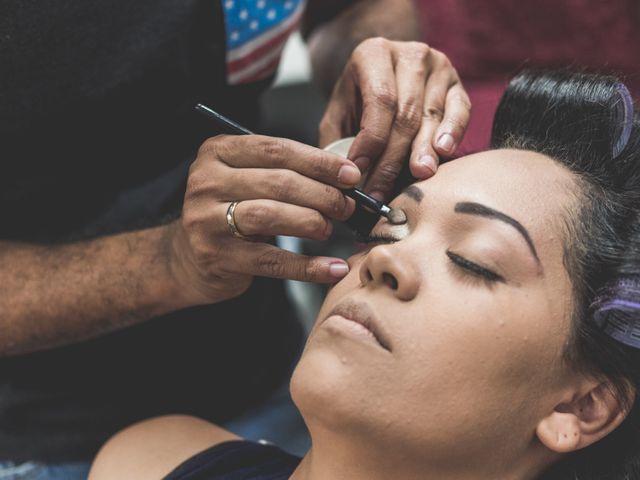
(529, 186)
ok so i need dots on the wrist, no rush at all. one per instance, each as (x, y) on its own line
(184, 288)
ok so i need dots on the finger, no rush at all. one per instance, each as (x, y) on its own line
(258, 151)
(375, 78)
(339, 119)
(411, 71)
(330, 129)
(457, 112)
(268, 218)
(424, 158)
(269, 261)
(288, 187)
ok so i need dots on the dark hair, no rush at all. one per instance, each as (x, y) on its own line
(586, 122)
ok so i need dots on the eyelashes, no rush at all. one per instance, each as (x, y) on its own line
(376, 238)
(474, 269)
(467, 266)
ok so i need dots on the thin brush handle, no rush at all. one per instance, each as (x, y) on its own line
(222, 120)
(367, 201)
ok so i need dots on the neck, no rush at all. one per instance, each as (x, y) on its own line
(338, 458)
(337, 463)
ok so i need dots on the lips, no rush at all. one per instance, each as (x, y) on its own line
(362, 314)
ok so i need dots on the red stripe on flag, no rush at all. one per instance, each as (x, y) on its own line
(268, 69)
(277, 41)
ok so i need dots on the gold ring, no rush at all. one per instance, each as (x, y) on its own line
(231, 221)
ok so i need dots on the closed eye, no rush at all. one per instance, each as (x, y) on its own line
(474, 269)
(376, 238)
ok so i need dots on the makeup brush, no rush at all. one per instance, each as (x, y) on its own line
(394, 215)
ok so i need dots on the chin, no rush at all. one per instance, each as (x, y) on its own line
(323, 390)
(316, 381)
(333, 393)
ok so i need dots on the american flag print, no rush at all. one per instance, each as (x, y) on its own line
(256, 32)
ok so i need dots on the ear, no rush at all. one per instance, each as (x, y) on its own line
(584, 420)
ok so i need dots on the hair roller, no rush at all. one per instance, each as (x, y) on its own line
(624, 117)
(617, 311)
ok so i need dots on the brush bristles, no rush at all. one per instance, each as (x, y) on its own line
(397, 216)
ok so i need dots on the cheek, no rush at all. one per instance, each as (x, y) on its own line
(468, 365)
(482, 343)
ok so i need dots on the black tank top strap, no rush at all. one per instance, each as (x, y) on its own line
(237, 460)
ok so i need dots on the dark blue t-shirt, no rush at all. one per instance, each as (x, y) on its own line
(97, 131)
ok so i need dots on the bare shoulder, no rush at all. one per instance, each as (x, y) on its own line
(149, 450)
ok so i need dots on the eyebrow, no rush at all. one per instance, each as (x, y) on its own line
(471, 208)
(414, 193)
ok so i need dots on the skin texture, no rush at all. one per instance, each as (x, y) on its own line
(451, 397)
(468, 381)
(56, 295)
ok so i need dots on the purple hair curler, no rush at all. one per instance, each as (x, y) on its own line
(624, 109)
(617, 311)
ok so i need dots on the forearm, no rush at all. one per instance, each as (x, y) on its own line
(331, 43)
(56, 295)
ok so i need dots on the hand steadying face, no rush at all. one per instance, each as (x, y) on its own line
(470, 307)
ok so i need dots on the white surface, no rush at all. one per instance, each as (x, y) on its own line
(340, 147)
(295, 66)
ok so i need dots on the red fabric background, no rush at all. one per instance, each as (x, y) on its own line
(489, 41)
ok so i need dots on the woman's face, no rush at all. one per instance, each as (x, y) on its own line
(469, 304)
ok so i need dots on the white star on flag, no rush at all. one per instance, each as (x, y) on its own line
(256, 32)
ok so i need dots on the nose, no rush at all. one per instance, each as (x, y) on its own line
(384, 266)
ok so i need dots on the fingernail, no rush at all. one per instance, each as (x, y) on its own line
(363, 163)
(348, 175)
(338, 269)
(377, 195)
(429, 163)
(445, 142)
